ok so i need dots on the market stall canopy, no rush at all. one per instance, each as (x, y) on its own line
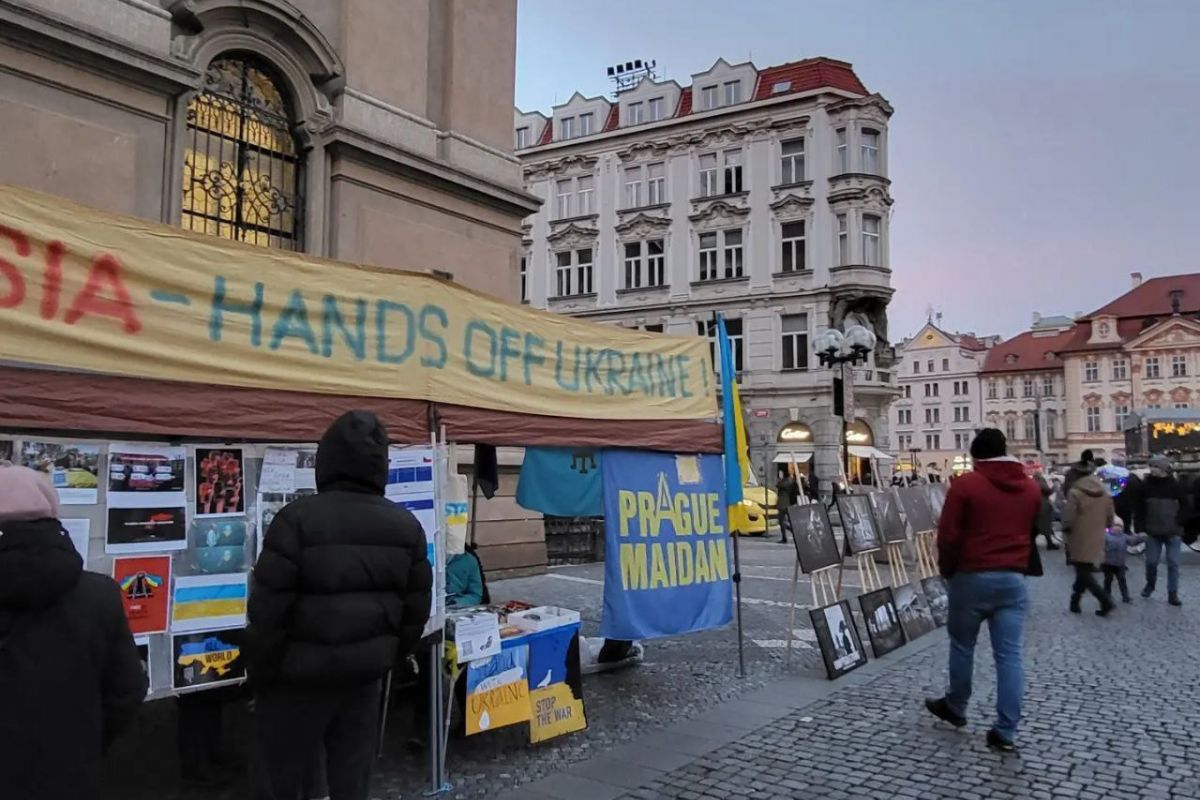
(866, 451)
(788, 458)
(239, 329)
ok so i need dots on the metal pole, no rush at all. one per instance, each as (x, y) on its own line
(436, 779)
(737, 587)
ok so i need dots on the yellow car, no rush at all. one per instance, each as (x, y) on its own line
(757, 518)
(763, 497)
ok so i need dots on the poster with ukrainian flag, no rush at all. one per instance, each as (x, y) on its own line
(200, 602)
(667, 546)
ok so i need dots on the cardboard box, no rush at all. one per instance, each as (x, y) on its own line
(543, 618)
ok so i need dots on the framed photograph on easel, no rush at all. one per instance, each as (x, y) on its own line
(917, 513)
(841, 647)
(887, 513)
(858, 524)
(816, 547)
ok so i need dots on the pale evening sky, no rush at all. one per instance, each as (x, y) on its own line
(1041, 150)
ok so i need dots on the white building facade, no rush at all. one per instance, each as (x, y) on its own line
(759, 194)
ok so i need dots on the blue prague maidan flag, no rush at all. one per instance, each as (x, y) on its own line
(667, 555)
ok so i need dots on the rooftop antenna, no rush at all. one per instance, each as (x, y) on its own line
(626, 76)
(929, 313)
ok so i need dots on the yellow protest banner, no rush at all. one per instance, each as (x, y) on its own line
(556, 711)
(83, 289)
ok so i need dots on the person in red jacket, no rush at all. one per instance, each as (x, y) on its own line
(985, 541)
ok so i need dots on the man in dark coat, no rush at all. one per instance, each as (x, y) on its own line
(341, 592)
(70, 676)
(1160, 509)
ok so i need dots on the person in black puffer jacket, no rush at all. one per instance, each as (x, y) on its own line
(1160, 508)
(340, 593)
(70, 676)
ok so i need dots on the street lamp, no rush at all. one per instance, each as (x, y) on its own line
(833, 347)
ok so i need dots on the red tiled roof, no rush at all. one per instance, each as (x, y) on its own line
(547, 133)
(685, 103)
(1153, 298)
(614, 117)
(1030, 352)
(970, 343)
(806, 75)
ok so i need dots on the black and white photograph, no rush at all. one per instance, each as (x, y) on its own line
(938, 596)
(812, 534)
(841, 647)
(937, 498)
(882, 621)
(915, 617)
(887, 514)
(914, 502)
(858, 523)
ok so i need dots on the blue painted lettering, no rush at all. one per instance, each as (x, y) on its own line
(433, 337)
(508, 350)
(293, 321)
(560, 359)
(489, 369)
(382, 309)
(221, 307)
(355, 338)
(592, 367)
(533, 355)
(615, 360)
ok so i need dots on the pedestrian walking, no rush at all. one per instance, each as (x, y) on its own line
(340, 594)
(1045, 522)
(1117, 542)
(1159, 511)
(1085, 466)
(985, 549)
(70, 677)
(786, 493)
(1087, 517)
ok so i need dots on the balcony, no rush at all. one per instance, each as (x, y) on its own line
(859, 187)
(861, 276)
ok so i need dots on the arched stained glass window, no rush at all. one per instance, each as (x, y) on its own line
(243, 171)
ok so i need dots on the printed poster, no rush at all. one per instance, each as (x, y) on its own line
(219, 487)
(147, 504)
(218, 545)
(498, 690)
(410, 484)
(143, 647)
(555, 684)
(270, 504)
(73, 469)
(202, 602)
(207, 658)
(286, 470)
(79, 531)
(145, 590)
(557, 710)
(667, 549)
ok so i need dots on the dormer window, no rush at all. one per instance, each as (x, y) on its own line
(655, 108)
(585, 124)
(635, 114)
(522, 138)
(708, 98)
(733, 92)
(566, 128)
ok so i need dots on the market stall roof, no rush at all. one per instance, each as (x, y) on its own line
(115, 324)
(866, 451)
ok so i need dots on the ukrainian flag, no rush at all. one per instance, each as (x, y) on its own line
(737, 457)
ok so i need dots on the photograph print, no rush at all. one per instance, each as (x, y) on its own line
(219, 487)
(887, 515)
(915, 617)
(915, 505)
(936, 492)
(938, 597)
(813, 536)
(858, 523)
(73, 469)
(837, 636)
(882, 621)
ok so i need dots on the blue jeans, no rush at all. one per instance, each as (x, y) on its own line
(999, 598)
(1154, 551)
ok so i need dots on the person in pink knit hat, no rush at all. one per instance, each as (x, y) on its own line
(70, 676)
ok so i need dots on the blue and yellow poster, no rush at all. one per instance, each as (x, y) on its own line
(667, 550)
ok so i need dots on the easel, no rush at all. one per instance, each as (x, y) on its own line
(926, 549)
(824, 592)
(868, 573)
(895, 559)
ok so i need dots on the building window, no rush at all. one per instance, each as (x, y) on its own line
(1049, 426)
(933, 441)
(574, 195)
(1153, 370)
(1093, 420)
(562, 198)
(573, 272)
(1091, 371)
(840, 160)
(708, 98)
(1027, 387)
(870, 240)
(905, 416)
(1180, 405)
(524, 278)
(633, 187)
(916, 367)
(733, 171)
(708, 175)
(656, 184)
(945, 365)
(584, 190)
(991, 389)
(962, 414)
(933, 416)
(566, 128)
(791, 161)
(1047, 386)
(733, 253)
(634, 115)
(1179, 367)
(522, 138)
(1120, 414)
(795, 341)
(908, 392)
(929, 365)
(962, 441)
(1009, 389)
(585, 124)
(1119, 369)
(733, 92)
(1027, 427)
(243, 171)
(1010, 428)
(644, 264)
(655, 328)
(793, 246)
(869, 147)
(843, 240)
(708, 256)
(655, 107)
(733, 326)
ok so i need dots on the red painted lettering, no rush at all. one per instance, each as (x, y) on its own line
(105, 274)
(52, 279)
(16, 281)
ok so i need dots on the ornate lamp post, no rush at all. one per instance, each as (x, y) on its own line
(835, 348)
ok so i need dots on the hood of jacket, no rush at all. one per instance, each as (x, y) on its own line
(353, 454)
(1091, 486)
(38, 564)
(1005, 473)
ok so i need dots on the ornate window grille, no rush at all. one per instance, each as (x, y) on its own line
(243, 171)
